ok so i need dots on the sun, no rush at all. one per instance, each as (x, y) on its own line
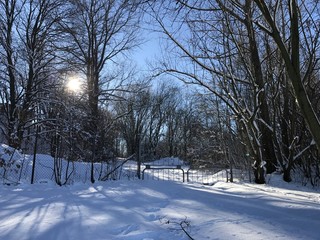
(74, 84)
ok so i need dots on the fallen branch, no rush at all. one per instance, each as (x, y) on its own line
(183, 225)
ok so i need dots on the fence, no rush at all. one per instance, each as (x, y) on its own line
(16, 167)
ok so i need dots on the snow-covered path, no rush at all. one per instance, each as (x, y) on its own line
(137, 210)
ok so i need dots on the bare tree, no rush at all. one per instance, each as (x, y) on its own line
(99, 32)
(9, 83)
(27, 36)
(216, 69)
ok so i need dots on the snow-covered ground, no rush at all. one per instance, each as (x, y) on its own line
(146, 210)
(149, 209)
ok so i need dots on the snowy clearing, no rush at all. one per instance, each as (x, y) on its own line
(146, 210)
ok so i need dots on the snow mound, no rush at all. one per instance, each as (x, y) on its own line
(9, 154)
(11, 162)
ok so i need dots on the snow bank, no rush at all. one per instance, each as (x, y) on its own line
(11, 162)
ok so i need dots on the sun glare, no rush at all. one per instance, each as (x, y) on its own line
(74, 84)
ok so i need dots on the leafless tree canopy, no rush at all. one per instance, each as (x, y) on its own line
(250, 68)
(258, 58)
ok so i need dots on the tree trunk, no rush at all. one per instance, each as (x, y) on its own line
(267, 145)
(292, 64)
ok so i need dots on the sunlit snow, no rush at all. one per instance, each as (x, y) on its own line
(156, 209)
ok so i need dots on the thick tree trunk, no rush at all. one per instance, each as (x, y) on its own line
(267, 145)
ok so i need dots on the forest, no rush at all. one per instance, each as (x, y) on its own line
(235, 82)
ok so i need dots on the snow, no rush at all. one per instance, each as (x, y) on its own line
(150, 209)
(146, 210)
